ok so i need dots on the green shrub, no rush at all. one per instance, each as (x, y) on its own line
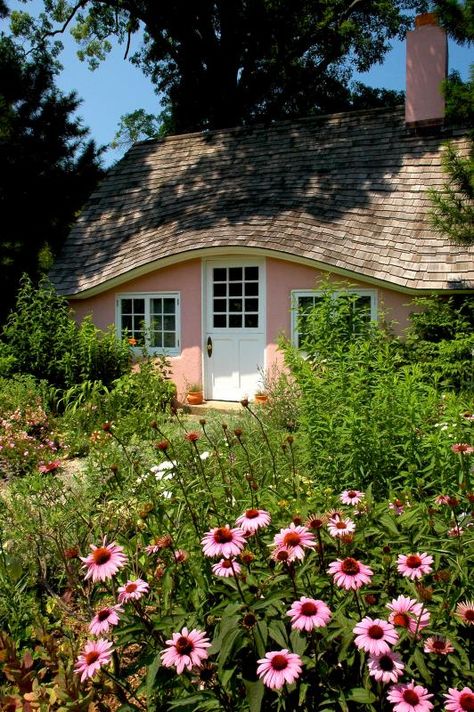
(42, 338)
(441, 340)
(367, 416)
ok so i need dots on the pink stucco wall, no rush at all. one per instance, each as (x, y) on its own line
(426, 67)
(185, 278)
(281, 278)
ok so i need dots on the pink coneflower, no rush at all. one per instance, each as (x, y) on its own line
(350, 573)
(283, 555)
(46, 467)
(465, 610)
(414, 566)
(339, 527)
(252, 520)
(279, 667)
(375, 636)
(132, 591)
(442, 499)
(455, 531)
(95, 654)
(104, 619)
(308, 614)
(180, 556)
(462, 448)
(408, 613)
(439, 646)
(185, 650)
(351, 497)
(410, 698)
(297, 538)
(386, 667)
(226, 568)
(223, 541)
(397, 506)
(462, 701)
(104, 561)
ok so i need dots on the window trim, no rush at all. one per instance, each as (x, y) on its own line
(148, 296)
(296, 293)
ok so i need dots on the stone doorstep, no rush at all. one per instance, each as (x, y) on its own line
(226, 407)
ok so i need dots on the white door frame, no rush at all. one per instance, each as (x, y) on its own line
(230, 260)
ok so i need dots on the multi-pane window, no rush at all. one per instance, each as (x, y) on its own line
(235, 297)
(151, 320)
(363, 307)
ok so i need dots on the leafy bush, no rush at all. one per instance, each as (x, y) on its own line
(366, 415)
(42, 338)
(441, 340)
(168, 514)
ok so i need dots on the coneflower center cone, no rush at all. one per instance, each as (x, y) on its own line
(101, 555)
(401, 619)
(279, 662)
(386, 663)
(292, 539)
(222, 535)
(251, 513)
(184, 646)
(413, 561)
(375, 632)
(340, 525)
(466, 701)
(411, 697)
(103, 614)
(91, 657)
(469, 615)
(130, 587)
(350, 566)
(309, 609)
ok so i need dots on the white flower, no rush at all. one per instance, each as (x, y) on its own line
(204, 455)
(166, 494)
(160, 471)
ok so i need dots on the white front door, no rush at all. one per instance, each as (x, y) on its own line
(235, 328)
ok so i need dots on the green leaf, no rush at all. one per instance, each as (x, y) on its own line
(360, 694)
(255, 692)
(388, 523)
(420, 664)
(277, 632)
(227, 645)
(151, 675)
(298, 643)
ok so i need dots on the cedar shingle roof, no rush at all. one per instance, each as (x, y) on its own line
(347, 190)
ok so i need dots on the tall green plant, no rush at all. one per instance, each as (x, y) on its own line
(42, 338)
(366, 415)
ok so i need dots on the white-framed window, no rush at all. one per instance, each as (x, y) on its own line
(302, 300)
(151, 320)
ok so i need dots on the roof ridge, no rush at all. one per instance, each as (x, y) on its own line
(271, 125)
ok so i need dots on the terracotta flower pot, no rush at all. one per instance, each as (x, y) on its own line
(195, 398)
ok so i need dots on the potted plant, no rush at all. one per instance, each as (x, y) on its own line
(261, 396)
(194, 394)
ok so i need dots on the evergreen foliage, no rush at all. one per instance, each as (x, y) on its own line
(48, 168)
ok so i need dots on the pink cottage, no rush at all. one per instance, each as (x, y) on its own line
(208, 243)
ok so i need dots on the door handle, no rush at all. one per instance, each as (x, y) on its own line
(209, 346)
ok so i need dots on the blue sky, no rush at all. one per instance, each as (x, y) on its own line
(117, 87)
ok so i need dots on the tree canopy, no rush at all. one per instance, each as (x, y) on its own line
(48, 168)
(218, 63)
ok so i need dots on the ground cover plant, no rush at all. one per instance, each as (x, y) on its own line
(206, 570)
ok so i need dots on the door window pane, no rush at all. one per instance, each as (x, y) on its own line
(230, 284)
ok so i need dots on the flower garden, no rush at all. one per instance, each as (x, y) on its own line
(312, 553)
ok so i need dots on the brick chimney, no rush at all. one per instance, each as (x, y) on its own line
(426, 67)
